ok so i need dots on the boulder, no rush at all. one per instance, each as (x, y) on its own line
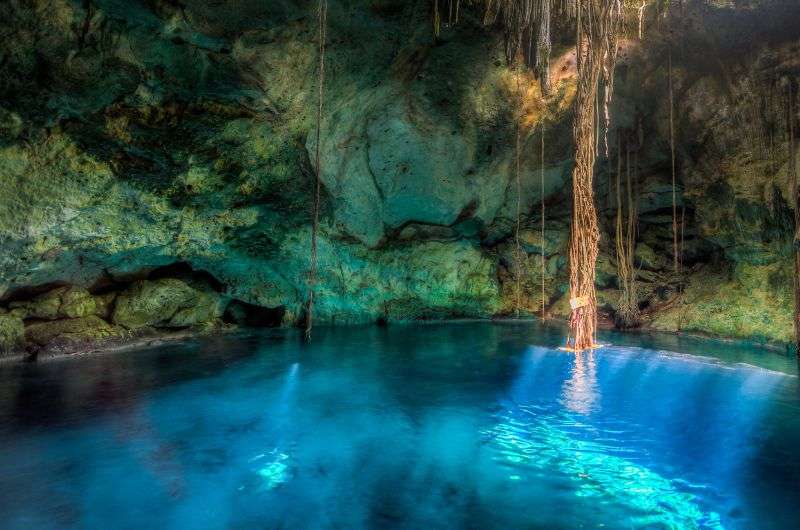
(62, 302)
(71, 332)
(166, 302)
(76, 303)
(12, 332)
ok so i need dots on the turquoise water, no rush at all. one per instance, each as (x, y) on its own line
(464, 425)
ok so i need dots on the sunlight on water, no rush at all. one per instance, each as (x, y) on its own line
(277, 469)
(529, 437)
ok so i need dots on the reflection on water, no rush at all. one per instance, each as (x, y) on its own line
(580, 392)
(456, 426)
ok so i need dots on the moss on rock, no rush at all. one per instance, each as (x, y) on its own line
(71, 332)
(166, 302)
(12, 333)
(750, 303)
(62, 302)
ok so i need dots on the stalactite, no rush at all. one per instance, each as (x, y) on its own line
(527, 25)
(312, 278)
(597, 23)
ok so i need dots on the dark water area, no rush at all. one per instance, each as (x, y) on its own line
(458, 425)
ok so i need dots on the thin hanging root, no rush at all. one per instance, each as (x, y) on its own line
(518, 252)
(676, 257)
(527, 25)
(628, 310)
(437, 21)
(312, 277)
(796, 199)
(641, 17)
(544, 296)
(683, 239)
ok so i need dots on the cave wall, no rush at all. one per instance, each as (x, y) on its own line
(140, 134)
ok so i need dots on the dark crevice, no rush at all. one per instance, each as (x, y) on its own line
(184, 271)
(253, 316)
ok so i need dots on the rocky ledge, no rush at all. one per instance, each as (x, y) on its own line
(67, 318)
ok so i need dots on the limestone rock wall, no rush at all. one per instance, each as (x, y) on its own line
(137, 135)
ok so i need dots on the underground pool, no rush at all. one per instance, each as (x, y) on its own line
(458, 425)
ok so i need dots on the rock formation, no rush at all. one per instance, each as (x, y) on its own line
(155, 169)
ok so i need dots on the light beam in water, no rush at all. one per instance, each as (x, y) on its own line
(278, 469)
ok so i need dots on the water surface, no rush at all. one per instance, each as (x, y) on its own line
(462, 425)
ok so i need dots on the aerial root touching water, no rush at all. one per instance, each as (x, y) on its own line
(544, 296)
(312, 276)
(597, 28)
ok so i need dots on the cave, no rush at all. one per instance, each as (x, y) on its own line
(403, 264)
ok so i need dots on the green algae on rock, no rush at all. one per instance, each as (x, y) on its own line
(12, 333)
(68, 333)
(62, 302)
(166, 303)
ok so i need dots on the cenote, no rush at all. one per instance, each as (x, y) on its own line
(399, 264)
(459, 425)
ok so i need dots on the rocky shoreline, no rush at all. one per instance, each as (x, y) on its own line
(69, 319)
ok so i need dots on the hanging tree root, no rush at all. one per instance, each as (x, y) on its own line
(596, 54)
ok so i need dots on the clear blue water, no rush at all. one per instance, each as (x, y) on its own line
(460, 425)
